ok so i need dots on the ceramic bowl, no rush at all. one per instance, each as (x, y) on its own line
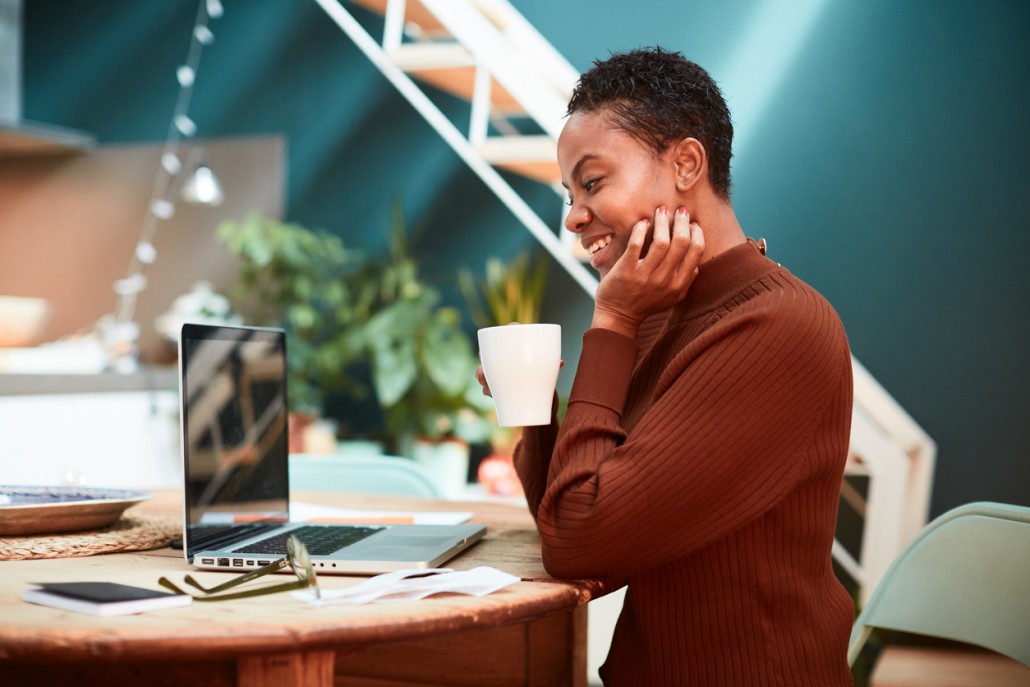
(22, 320)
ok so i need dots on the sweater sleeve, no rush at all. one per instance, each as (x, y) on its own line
(535, 448)
(724, 440)
(532, 458)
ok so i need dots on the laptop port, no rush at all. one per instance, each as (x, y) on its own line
(207, 561)
(263, 563)
(224, 562)
(250, 563)
(237, 562)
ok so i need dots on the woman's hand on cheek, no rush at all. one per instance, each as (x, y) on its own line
(638, 287)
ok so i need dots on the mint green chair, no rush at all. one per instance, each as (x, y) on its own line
(964, 577)
(360, 474)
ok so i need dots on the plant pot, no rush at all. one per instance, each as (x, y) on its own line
(298, 423)
(446, 462)
(497, 475)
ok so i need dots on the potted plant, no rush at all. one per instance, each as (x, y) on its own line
(509, 291)
(301, 280)
(342, 311)
(423, 368)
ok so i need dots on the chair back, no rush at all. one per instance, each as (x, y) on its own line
(361, 474)
(964, 577)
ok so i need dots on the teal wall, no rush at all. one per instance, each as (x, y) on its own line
(881, 152)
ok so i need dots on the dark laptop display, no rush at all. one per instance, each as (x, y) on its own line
(235, 426)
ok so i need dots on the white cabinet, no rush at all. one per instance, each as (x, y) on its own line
(95, 430)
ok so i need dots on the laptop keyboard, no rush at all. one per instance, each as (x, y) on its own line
(321, 541)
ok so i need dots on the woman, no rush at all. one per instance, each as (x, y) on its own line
(702, 450)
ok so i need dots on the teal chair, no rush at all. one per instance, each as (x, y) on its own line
(360, 474)
(964, 577)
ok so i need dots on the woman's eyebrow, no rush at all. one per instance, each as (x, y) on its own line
(576, 167)
(583, 160)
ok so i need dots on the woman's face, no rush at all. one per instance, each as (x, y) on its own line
(614, 181)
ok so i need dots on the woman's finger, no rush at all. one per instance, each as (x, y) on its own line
(637, 239)
(481, 378)
(660, 236)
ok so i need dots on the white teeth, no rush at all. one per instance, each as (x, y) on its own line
(599, 244)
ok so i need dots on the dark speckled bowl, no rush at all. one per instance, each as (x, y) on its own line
(50, 510)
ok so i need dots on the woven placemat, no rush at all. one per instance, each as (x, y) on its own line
(130, 533)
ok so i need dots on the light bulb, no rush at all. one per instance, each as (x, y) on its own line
(203, 188)
(185, 75)
(185, 125)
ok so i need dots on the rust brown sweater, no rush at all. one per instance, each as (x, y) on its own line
(702, 465)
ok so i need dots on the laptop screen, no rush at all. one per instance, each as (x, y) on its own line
(234, 421)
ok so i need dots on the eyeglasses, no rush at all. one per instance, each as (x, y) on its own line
(297, 558)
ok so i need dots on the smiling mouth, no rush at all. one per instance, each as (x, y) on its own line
(598, 244)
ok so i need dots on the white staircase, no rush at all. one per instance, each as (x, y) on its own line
(486, 52)
(891, 450)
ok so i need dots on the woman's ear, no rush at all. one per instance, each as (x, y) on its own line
(690, 162)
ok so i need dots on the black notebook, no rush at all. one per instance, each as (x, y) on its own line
(103, 598)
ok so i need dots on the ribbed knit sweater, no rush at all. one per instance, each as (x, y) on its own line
(701, 464)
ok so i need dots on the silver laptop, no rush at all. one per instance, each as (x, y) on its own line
(232, 385)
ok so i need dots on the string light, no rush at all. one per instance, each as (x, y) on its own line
(118, 331)
(202, 187)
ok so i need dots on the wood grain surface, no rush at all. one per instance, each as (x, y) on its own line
(538, 623)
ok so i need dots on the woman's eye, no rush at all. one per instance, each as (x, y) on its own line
(587, 185)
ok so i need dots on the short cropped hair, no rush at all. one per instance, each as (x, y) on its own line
(658, 97)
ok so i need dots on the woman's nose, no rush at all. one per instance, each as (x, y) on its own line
(577, 218)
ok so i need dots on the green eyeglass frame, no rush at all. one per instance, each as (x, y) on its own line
(297, 558)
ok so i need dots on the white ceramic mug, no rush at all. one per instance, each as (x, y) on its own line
(521, 363)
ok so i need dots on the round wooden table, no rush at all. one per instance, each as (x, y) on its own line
(532, 632)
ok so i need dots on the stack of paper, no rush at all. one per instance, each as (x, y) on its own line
(411, 585)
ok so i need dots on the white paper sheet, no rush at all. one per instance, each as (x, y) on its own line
(411, 585)
(309, 512)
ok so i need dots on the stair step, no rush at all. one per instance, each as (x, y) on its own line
(451, 67)
(432, 55)
(535, 157)
(414, 14)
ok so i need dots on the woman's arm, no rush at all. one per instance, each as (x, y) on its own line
(533, 458)
(723, 442)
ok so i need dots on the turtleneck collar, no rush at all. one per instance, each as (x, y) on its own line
(723, 276)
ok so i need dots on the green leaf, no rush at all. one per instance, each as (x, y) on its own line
(447, 358)
(395, 370)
